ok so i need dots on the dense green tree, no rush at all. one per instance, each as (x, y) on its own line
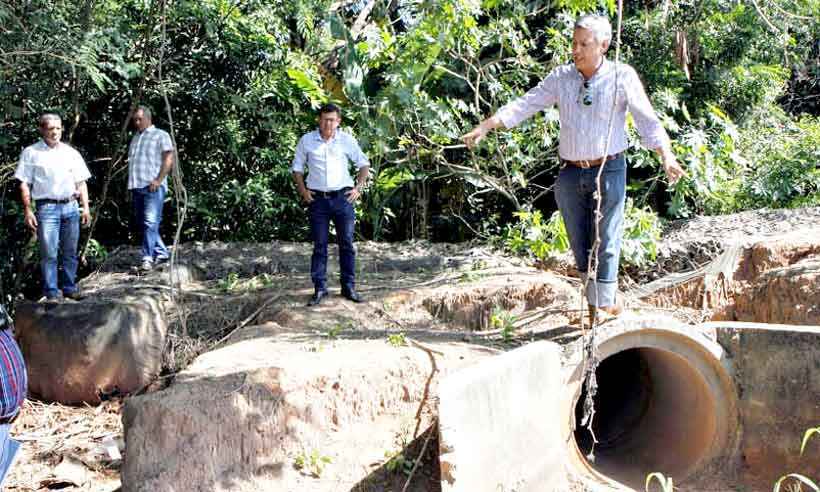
(242, 80)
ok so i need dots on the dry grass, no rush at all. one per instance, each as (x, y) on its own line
(62, 445)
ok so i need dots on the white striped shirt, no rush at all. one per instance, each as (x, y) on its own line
(51, 172)
(327, 161)
(145, 157)
(584, 127)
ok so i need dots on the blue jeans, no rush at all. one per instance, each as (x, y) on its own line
(58, 231)
(575, 192)
(147, 218)
(337, 209)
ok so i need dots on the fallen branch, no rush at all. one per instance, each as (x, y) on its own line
(426, 394)
(247, 320)
(421, 455)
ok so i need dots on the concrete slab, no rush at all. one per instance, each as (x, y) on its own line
(776, 371)
(500, 425)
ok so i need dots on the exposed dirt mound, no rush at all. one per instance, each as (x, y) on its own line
(437, 294)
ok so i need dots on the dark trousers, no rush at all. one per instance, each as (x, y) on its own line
(327, 207)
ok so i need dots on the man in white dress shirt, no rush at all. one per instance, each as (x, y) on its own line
(330, 195)
(53, 175)
(585, 93)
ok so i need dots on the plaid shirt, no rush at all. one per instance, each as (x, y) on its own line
(13, 377)
(145, 157)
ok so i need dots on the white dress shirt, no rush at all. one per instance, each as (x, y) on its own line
(51, 173)
(584, 127)
(327, 160)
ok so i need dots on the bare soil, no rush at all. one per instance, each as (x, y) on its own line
(430, 292)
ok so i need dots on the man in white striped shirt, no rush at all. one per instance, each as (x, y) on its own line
(150, 159)
(586, 92)
(330, 194)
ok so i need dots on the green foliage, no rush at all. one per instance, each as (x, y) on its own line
(233, 283)
(665, 482)
(397, 339)
(532, 236)
(312, 463)
(504, 321)
(229, 283)
(642, 233)
(797, 480)
(786, 174)
(96, 252)
(243, 79)
(398, 463)
(807, 436)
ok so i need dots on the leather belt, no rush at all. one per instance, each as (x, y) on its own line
(588, 163)
(331, 194)
(54, 200)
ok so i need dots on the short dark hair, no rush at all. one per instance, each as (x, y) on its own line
(330, 108)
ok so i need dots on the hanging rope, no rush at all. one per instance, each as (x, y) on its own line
(590, 358)
(180, 193)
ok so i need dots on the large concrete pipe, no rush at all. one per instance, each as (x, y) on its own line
(665, 403)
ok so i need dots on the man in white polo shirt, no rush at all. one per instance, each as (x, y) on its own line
(330, 194)
(53, 174)
(150, 159)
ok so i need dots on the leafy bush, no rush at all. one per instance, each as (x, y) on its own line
(532, 236)
(787, 170)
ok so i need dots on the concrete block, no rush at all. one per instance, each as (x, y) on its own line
(500, 423)
(776, 371)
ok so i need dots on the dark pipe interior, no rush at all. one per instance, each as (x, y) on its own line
(653, 413)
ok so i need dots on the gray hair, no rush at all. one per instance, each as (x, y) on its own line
(146, 111)
(46, 117)
(598, 24)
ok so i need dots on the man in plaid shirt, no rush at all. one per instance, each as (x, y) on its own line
(13, 376)
(150, 158)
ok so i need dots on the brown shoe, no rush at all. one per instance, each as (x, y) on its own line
(605, 313)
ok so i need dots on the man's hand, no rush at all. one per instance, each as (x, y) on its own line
(154, 185)
(31, 220)
(353, 194)
(478, 133)
(472, 138)
(85, 216)
(673, 170)
(307, 196)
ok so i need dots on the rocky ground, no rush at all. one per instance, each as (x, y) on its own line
(431, 308)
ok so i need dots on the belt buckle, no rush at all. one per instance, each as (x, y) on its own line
(584, 164)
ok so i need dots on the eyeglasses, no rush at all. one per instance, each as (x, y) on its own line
(585, 95)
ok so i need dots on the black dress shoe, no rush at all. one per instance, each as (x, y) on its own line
(352, 295)
(317, 297)
(74, 296)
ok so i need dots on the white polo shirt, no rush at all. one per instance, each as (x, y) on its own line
(327, 161)
(51, 173)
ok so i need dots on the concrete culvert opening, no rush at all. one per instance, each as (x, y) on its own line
(655, 412)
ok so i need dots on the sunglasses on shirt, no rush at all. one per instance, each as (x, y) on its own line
(585, 95)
